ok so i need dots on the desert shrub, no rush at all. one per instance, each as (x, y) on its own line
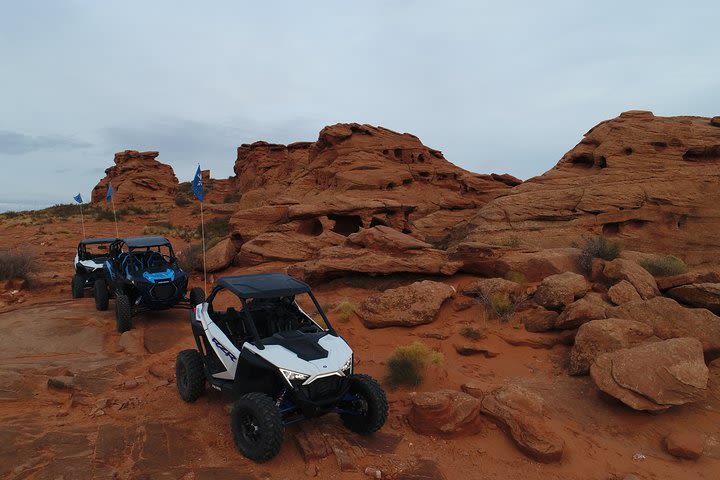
(170, 230)
(472, 333)
(406, 364)
(345, 309)
(513, 242)
(11, 214)
(597, 247)
(16, 264)
(136, 210)
(218, 227)
(106, 214)
(190, 258)
(232, 198)
(182, 200)
(517, 277)
(664, 266)
(501, 304)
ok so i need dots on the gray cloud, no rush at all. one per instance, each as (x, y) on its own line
(14, 143)
(497, 86)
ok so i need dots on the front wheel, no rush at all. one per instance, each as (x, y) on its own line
(257, 427)
(197, 296)
(101, 294)
(370, 406)
(78, 286)
(123, 313)
(189, 375)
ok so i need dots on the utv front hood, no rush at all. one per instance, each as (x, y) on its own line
(304, 359)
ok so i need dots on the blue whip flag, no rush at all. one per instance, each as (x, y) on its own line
(197, 185)
(78, 198)
(108, 197)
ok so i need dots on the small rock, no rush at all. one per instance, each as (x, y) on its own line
(445, 412)
(538, 319)
(471, 349)
(683, 444)
(61, 383)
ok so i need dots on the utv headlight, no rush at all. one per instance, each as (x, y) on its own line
(291, 376)
(347, 368)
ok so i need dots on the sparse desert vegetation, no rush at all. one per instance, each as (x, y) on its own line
(597, 247)
(407, 364)
(664, 266)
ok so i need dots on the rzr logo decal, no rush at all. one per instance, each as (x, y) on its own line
(224, 350)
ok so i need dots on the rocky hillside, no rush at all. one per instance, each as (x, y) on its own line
(649, 182)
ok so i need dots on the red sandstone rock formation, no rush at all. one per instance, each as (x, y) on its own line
(138, 179)
(650, 182)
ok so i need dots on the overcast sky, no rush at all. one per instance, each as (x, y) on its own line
(497, 86)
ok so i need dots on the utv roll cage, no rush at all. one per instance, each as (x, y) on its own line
(264, 286)
(82, 247)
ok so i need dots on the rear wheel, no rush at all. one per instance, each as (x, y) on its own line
(101, 294)
(257, 427)
(78, 286)
(370, 404)
(123, 313)
(197, 296)
(189, 375)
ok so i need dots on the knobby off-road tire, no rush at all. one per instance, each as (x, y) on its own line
(197, 296)
(101, 294)
(78, 286)
(374, 406)
(257, 427)
(123, 313)
(189, 375)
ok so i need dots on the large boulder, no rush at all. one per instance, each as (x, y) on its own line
(221, 255)
(138, 179)
(702, 295)
(603, 336)
(654, 376)
(699, 276)
(489, 260)
(521, 413)
(669, 319)
(407, 306)
(590, 307)
(446, 412)
(538, 319)
(557, 291)
(633, 273)
(623, 292)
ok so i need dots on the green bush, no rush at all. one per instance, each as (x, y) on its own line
(406, 364)
(218, 227)
(232, 198)
(16, 264)
(664, 266)
(501, 304)
(597, 247)
(345, 310)
(472, 333)
(512, 242)
(517, 277)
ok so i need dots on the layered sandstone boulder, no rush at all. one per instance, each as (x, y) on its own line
(447, 412)
(669, 319)
(702, 295)
(138, 179)
(408, 306)
(604, 336)
(654, 376)
(521, 413)
(644, 179)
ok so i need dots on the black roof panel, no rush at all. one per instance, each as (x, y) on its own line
(264, 285)
(95, 241)
(147, 241)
